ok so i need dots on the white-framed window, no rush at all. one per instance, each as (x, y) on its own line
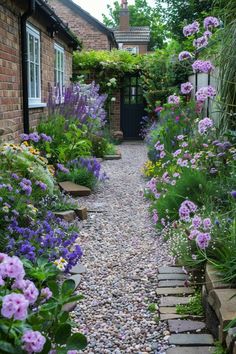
(59, 64)
(34, 71)
(132, 50)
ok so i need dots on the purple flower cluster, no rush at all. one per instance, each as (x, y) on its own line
(205, 92)
(201, 231)
(211, 22)
(186, 88)
(173, 99)
(204, 125)
(62, 168)
(41, 185)
(200, 42)
(35, 137)
(185, 55)
(186, 209)
(92, 165)
(15, 306)
(33, 341)
(26, 186)
(203, 66)
(50, 237)
(191, 29)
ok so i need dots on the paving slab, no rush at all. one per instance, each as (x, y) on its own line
(191, 339)
(171, 276)
(112, 157)
(68, 215)
(82, 213)
(171, 316)
(170, 283)
(213, 279)
(173, 301)
(180, 326)
(75, 190)
(170, 270)
(78, 269)
(190, 350)
(175, 291)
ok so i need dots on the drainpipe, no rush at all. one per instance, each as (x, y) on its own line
(24, 55)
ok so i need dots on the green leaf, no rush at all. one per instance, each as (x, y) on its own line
(72, 299)
(8, 348)
(62, 334)
(63, 317)
(68, 287)
(53, 286)
(47, 347)
(77, 341)
(49, 306)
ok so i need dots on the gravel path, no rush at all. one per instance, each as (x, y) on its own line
(121, 254)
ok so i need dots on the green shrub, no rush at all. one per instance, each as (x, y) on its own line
(79, 176)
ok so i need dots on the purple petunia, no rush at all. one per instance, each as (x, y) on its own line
(186, 88)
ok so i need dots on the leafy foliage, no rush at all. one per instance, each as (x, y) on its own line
(193, 308)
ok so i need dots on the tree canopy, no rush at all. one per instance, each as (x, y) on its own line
(141, 14)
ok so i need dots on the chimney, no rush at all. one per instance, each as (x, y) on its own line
(124, 16)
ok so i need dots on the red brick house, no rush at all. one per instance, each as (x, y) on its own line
(35, 50)
(132, 39)
(93, 34)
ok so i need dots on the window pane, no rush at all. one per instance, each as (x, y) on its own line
(126, 91)
(133, 100)
(58, 60)
(36, 44)
(62, 61)
(32, 81)
(133, 91)
(37, 81)
(126, 99)
(31, 47)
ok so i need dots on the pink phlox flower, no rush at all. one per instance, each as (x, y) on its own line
(15, 306)
(33, 341)
(11, 267)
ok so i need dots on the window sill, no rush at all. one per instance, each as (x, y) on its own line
(37, 105)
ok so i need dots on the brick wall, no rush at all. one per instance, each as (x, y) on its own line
(91, 37)
(115, 113)
(11, 115)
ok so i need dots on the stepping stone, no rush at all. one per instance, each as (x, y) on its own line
(171, 316)
(179, 326)
(170, 283)
(171, 276)
(112, 157)
(68, 215)
(191, 339)
(166, 310)
(175, 291)
(191, 350)
(171, 301)
(77, 279)
(78, 269)
(75, 190)
(171, 270)
(82, 213)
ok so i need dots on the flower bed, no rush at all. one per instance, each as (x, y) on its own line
(191, 171)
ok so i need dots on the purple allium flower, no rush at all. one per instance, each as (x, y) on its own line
(185, 55)
(207, 34)
(33, 341)
(46, 138)
(203, 66)
(190, 205)
(207, 224)
(11, 267)
(15, 306)
(41, 185)
(211, 22)
(34, 137)
(197, 221)
(203, 240)
(62, 168)
(200, 42)
(184, 213)
(233, 194)
(204, 125)
(203, 93)
(46, 294)
(186, 88)
(173, 99)
(191, 29)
